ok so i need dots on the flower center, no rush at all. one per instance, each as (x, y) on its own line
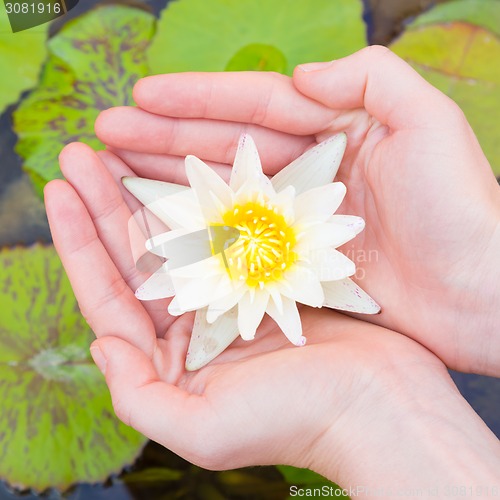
(263, 250)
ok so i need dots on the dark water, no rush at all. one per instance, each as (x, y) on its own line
(23, 221)
(483, 394)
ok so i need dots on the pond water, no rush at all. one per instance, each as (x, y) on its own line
(23, 221)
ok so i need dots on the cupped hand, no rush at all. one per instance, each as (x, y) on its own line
(332, 405)
(413, 168)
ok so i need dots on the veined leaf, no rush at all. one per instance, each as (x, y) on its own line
(57, 424)
(456, 47)
(94, 63)
(212, 35)
(484, 13)
(21, 57)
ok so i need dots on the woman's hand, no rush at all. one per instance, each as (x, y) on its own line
(413, 169)
(358, 403)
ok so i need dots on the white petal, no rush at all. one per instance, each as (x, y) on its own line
(251, 309)
(174, 308)
(247, 170)
(329, 264)
(182, 246)
(284, 203)
(323, 235)
(347, 296)
(158, 286)
(201, 269)
(276, 297)
(209, 340)
(174, 205)
(288, 320)
(214, 195)
(357, 224)
(316, 167)
(147, 190)
(302, 285)
(318, 204)
(192, 294)
(218, 307)
(141, 226)
(181, 210)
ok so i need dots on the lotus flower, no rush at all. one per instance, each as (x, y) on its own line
(236, 252)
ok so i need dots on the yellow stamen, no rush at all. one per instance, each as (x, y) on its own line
(264, 247)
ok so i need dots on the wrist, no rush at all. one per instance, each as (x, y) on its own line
(476, 311)
(410, 431)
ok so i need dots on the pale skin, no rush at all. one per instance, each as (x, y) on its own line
(359, 403)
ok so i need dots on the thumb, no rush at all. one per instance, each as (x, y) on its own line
(376, 79)
(160, 411)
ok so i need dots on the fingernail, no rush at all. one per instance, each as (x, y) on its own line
(315, 66)
(98, 358)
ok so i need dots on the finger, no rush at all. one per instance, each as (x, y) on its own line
(137, 130)
(106, 301)
(175, 331)
(262, 98)
(119, 169)
(174, 346)
(378, 80)
(111, 217)
(87, 174)
(161, 411)
(163, 167)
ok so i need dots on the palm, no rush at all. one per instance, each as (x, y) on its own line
(244, 382)
(243, 406)
(416, 242)
(237, 391)
(234, 396)
(230, 406)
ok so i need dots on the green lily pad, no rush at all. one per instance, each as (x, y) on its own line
(206, 35)
(94, 63)
(21, 57)
(455, 49)
(485, 13)
(153, 475)
(57, 424)
(258, 57)
(305, 478)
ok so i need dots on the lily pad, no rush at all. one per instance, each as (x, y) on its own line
(23, 17)
(94, 63)
(21, 57)
(485, 13)
(305, 478)
(258, 57)
(57, 424)
(208, 35)
(456, 47)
